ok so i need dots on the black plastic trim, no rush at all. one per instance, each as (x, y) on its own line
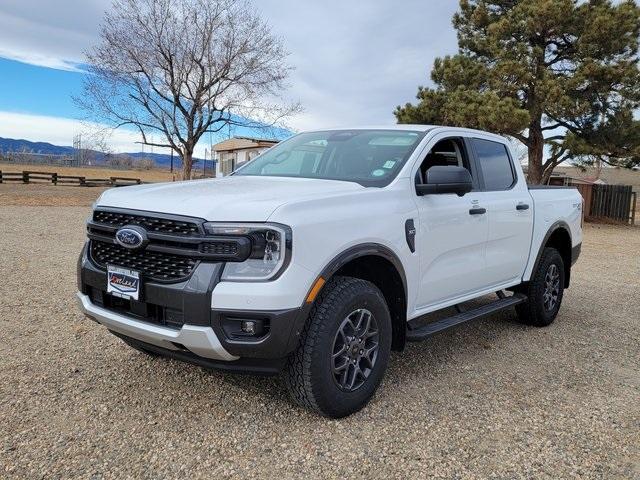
(550, 187)
(575, 253)
(103, 269)
(192, 296)
(363, 250)
(243, 244)
(417, 333)
(410, 234)
(281, 338)
(146, 213)
(253, 366)
(557, 225)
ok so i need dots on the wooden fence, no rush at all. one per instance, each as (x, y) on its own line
(613, 202)
(28, 176)
(608, 202)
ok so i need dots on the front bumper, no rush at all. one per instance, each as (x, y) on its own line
(197, 339)
(177, 320)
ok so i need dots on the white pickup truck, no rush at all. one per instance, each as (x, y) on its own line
(331, 249)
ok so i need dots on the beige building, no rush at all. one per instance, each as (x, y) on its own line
(232, 153)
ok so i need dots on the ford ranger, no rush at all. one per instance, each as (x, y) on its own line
(327, 252)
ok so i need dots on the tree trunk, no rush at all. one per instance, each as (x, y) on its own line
(187, 163)
(546, 174)
(536, 151)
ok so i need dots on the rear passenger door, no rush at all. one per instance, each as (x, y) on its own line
(509, 212)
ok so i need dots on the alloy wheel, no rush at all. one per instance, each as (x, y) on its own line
(551, 287)
(355, 350)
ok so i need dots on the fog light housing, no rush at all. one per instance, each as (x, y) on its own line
(248, 327)
(245, 329)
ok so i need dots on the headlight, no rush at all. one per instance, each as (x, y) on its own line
(270, 250)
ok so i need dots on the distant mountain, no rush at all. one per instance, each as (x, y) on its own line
(13, 145)
(18, 145)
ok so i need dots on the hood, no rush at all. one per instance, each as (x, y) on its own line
(230, 199)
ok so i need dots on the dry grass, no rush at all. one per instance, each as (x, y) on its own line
(44, 194)
(154, 175)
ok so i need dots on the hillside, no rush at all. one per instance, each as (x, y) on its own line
(20, 145)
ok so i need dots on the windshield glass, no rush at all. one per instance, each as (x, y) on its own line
(369, 157)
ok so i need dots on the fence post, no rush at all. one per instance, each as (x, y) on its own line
(25, 177)
(0, 176)
(634, 197)
(54, 178)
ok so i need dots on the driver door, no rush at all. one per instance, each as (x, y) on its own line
(452, 234)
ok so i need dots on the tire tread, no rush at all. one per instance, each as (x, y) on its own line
(298, 377)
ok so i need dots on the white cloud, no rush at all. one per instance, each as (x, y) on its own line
(47, 34)
(355, 61)
(60, 131)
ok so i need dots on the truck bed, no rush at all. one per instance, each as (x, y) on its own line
(553, 205)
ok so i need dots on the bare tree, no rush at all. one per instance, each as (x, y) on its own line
(121, 160)
(145, 164)
(183, 68)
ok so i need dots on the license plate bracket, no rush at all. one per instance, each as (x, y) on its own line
(123, 282)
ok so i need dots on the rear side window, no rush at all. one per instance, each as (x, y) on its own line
(494, 164)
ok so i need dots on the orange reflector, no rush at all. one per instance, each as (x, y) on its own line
(315, 290)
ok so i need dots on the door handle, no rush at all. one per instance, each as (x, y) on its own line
(522, 206)
(477, 211)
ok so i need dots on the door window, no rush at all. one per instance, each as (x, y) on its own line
(447, 152)
(495, 164)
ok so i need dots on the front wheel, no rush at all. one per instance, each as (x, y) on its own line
(544, 291)
(344, 349)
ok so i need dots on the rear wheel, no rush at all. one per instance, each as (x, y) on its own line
(544, 291)
(344, 349)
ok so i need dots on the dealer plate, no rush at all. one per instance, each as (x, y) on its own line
(123, 283)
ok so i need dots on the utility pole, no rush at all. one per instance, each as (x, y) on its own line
(172, 160)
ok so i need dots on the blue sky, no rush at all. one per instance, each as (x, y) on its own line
(354, 62)
(28, 88)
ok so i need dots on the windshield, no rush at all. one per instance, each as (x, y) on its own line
(371, 158)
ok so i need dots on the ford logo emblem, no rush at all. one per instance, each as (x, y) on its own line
(131, 237)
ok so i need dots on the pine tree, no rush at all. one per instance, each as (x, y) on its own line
(561, 76)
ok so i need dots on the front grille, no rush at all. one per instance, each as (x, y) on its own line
(219, 248)
(151, 224)
(153, 265)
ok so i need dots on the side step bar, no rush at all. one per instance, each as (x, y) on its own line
(422, 333)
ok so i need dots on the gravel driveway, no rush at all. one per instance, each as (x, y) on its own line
(490, 399)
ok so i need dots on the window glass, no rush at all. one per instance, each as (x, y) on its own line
(371, 158)
(494, 164)
(448, 153)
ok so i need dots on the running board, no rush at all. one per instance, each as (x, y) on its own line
(421, 333)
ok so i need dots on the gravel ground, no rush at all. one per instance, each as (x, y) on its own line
(491, 399)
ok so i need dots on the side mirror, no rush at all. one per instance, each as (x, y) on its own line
(446, 179)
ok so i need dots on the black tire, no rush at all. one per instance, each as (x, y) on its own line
(540, 310)
(309, 373)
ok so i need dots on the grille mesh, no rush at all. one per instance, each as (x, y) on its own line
(151, 224)
(219, 248)
(154, 265)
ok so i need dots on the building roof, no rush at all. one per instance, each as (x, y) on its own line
(243, 143)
